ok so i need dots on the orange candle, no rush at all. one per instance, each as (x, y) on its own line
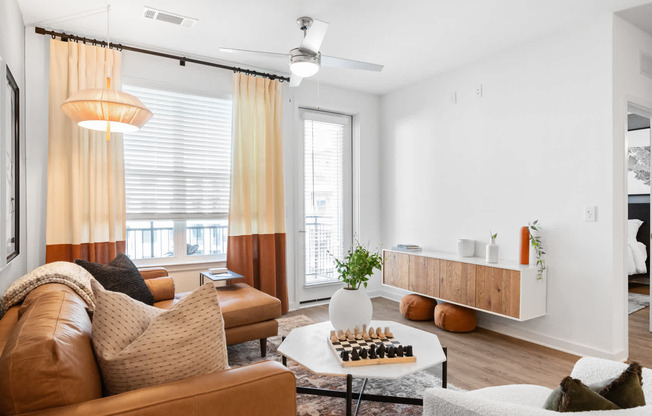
(525, 246)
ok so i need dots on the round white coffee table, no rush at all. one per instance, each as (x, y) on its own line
(309, 346)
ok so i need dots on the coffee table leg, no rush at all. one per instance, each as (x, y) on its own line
(349, 393)
(285, 360)
(357, 406)
(444, 370)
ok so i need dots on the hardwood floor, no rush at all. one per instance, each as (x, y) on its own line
(480, 358)
(640, 337)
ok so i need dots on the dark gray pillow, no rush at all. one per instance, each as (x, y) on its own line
(121, 275)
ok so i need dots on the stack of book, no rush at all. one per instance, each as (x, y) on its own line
(407, 247)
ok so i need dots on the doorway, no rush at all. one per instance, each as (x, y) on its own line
(326, 188)
(638, 143)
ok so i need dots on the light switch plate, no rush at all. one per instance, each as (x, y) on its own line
(590, 213)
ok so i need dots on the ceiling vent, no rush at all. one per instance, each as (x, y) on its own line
(168, 17)
(646, 64)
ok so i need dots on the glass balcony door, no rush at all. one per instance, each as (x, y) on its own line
(325, 231)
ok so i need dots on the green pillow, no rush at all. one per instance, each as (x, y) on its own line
(625, 391)
(576, 397)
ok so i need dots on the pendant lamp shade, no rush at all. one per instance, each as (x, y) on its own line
(97, 109)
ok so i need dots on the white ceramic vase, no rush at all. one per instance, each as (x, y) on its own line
(349, 308)
(492, 252)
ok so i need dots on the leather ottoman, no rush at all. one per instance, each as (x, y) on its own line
(418, 308)
(454, 318)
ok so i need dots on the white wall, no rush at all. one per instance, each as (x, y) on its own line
(364, 108)
(537, 145)
(629, 86)
(12, 52)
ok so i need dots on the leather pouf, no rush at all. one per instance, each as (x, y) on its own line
(454, 318)
(418, 308)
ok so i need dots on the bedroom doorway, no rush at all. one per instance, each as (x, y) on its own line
(638, 142)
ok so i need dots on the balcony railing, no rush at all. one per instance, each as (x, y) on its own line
(157, 242)
(321, 245)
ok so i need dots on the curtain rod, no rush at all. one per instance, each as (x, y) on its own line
(182, 59)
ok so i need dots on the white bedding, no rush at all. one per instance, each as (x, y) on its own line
(636, 251)
(636, 257)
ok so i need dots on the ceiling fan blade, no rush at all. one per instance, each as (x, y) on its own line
(295, 80)
(334, 62)
(257, 53)
(314, 36)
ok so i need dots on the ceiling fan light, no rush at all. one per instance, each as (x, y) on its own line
(304, 69)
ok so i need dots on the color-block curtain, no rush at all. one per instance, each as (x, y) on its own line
(256, 244)
(86, 184)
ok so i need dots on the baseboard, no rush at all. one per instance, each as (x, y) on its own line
(491, 323)
(507, 327)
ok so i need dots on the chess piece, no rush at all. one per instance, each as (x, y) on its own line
(355, 356)
(379, 333)
(399, 351)
(372, 348)
(381, 353)
(372, 333)
(363, 353)
(381, 349)
(387, 333)
(345, 356)
(340, 335)
(357, 333)
(372, 354)
(365, 336)
(391, 353)
(364, 328)
(334, 337)
(348, 334)
(408, 353)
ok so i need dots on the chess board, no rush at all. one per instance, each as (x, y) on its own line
(359, 344)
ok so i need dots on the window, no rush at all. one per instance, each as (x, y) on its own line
(177, 177)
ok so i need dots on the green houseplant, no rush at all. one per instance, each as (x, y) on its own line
(357, 265)
(350, 307)
(535, 240)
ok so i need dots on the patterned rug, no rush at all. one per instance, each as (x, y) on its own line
(410, 386)
(637, 301)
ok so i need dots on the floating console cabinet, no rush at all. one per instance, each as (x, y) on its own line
(506, 289)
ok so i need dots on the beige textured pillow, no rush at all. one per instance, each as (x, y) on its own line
(138, 345)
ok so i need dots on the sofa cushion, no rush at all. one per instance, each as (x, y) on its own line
(575, 396)
(418, 308)
(243, 305)
(139, 345)
(520, 394)
(120, 275)
(48, 359)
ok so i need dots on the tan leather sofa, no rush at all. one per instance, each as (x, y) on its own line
(47, 367)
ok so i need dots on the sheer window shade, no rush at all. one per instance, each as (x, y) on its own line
(178, 165)
(325, 138)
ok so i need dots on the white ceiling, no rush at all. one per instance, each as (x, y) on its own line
(413, 39)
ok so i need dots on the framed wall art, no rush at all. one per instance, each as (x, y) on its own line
(11, 169)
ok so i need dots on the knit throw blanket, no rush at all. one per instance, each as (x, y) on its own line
(69, 274)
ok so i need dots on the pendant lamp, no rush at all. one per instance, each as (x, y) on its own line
(106, 109)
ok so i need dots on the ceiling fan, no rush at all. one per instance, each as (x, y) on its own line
(306, 60)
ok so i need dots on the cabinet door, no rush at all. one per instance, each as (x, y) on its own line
(498, 290)
(396, 269)
(457, 282)
(424, 275)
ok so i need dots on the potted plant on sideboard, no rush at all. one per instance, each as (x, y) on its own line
(350, 306)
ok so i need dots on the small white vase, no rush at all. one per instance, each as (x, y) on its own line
(465, 247)
(349, 308)
(492, 252)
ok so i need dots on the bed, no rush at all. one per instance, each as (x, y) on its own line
(638, 241)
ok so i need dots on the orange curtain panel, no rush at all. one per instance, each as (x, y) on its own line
(256, 244)
(86, 184)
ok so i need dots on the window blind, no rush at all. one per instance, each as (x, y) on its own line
(325, 138)
(178, 166)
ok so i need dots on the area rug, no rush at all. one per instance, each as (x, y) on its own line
(410, 386)
(637, 301)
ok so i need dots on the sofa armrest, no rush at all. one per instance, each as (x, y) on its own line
(439, 401)
(262, 388)
(153, 272)
(594, 370)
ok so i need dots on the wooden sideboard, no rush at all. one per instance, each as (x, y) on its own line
(506, 289)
